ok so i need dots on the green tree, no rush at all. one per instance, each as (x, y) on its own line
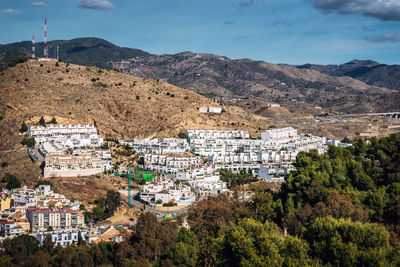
(23, 128)
(41, 121)
(346, 243)
(12, 181)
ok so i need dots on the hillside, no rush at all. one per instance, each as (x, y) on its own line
(368, 71)
(299, 89)
(83, 51)
(217, 76)
(121, 105)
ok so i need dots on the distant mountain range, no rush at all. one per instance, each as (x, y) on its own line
(368, 71)
(296, 87)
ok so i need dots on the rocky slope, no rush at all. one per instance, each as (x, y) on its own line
(217, 76)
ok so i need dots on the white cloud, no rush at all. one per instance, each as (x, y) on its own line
(391, 37)
(95, 4)
(39, 4)
(381, 9)
(10, 11)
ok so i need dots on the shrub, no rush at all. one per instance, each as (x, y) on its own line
(93, 79)
(172, 95)
(137, 97)
(168, 93)
(24, 127)
(41, 121)
(12, 181)
(41, 65)
(57, 64)
(4, 164)
(29, 142)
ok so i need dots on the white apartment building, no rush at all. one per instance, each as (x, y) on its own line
(162, 191)
(72, 165)
(73, 136)
(167, 163)
(205, 180)
(61, 237)
(217, 134)
(41, 219)
(165, 146)
(283, 133)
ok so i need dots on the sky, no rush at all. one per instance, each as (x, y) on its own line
(276, 31)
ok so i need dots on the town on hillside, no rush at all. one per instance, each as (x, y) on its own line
(168, 175)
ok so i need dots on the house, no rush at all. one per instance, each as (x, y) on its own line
(45, 218)
(10, 229)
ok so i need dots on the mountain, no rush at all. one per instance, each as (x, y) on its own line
(368, 71)
(120, 105)
(295, 88)
(302, 90)
(83, 51)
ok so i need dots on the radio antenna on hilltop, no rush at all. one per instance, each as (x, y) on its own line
(45, 39)
(57, 52)
(33, 47)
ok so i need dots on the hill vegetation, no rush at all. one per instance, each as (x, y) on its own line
(339, 209)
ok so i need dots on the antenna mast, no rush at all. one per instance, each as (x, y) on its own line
(33, 47)
(45, 54)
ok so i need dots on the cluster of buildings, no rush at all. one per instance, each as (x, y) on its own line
(271, 157)
(163, 191)
(275, 150)
(71, 150)
(41, 212)
(156, 146)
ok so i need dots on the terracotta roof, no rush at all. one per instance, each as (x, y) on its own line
(41, 210)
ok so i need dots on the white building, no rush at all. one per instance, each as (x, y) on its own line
(169, 163)
(164, 191)
(61, 237)
(210, 109)
(41, 219)
(165, 146)
(283, 133)
(73, 136)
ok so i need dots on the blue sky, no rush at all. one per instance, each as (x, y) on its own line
(276, 31)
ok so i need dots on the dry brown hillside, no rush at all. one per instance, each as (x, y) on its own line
(121, 105)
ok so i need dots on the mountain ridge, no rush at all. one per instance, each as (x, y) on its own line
(220, 77)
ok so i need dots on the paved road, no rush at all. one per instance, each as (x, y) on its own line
(156, 211)
(35, 155)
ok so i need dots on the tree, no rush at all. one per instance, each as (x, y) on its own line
(347, 243)
(29, 142)
(41, 121)
(184, 251)
(24, 128)
(48, 244)
(53, 121)
(12, 181)
(80, 239)
(112, 201)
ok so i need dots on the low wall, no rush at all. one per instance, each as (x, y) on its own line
(71, 173)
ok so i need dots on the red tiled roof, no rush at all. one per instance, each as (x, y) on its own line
(44, 210)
